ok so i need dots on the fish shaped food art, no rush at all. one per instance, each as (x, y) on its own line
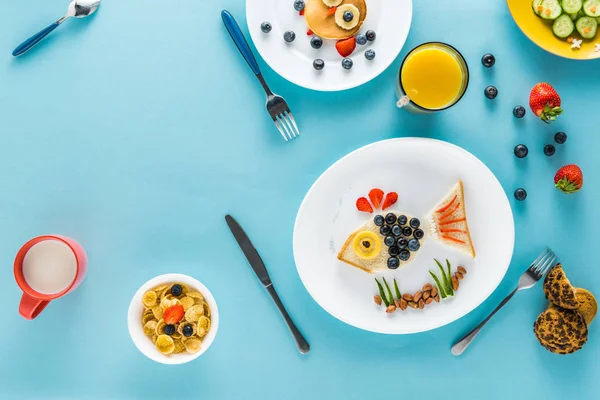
(392, 239)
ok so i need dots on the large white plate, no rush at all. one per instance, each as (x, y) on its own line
(390, 19)
(421, 171)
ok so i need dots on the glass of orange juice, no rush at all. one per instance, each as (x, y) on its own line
(433, 77)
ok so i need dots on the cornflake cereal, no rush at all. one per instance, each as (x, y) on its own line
(175, 318)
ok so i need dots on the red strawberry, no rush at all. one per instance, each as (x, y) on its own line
(173, 314)
(332, 11)
(545, 102)
(346, 46)
(376, 196)
(390, 199)
(569, 179)
(363, 205)
(309, 32)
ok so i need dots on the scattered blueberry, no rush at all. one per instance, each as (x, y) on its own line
(491, 92)
(389, 241)
(316, 42)
(414, 245)
(378, 220)
(370, 54)
(289, 36)
(404, 255)
(549, 150)
(396, 230)
(521, 151)
(519, 111)
(415, 223)
(348, 16)
(402, 220)
(176, 290)
(169, 329)
(520, 194)
(402, 243)
(407, 231)
(347, 63)
(266, 27)
(393, 262)
(187, 331)
(385, 230)
(299, 5)
(390, 218)
(418, 234)
(318, 64)
(560, 137)
(488, 60)
(361, 39)
(394, 251)
(371, 35)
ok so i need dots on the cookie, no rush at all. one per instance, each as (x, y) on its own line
(561, 331)
(588, 306)
(558, 289)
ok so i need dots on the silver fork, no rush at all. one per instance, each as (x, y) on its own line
(534, 273)
(276, 105)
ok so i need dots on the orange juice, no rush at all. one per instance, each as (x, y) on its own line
(434, 76)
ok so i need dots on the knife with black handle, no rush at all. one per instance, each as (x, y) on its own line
(260, 270)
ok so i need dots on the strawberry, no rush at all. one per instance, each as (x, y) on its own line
(346, 46)
(569, 179)
(173, 314)
(545, 102)
(301, 12)
(309, 32)
(363, 205)
(376, 196)
(390, 199)
(332, 11)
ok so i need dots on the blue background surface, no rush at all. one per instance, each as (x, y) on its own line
(135, 131)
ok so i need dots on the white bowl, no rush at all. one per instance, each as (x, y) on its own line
(144, 343)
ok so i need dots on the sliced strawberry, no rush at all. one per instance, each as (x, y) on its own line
(301, 12)
(346, 46)
(173, 314)
(376, 197)
(453, 239)
(363, 205)
(309, 32)
(390, 199)
(332, 11)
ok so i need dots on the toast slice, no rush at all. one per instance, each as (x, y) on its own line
(448, 221)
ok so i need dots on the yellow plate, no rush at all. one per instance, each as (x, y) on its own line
(540, 33)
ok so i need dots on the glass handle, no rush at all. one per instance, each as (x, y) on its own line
(404, 100)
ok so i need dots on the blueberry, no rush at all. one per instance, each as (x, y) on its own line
(266, 27)
(415, 223)
(393, 263)
(491, 92)
(390, 218)
(316, 42)
(488, 60)
(521, 151)
(549, 150)
(187, 331)
(371, 35)
(176, 290)
(370, 54)
(560, 137)
(348, 16)
(361, 39)
(519, 111)
(404, 255)
(389, 241)
(414, 245)
(407, 231)
(418, 234)
(289, 36)
(394, 251)
(169, 329)
(402, 243)
(402, 220)
(299, 5)
(378, 220)
(385, 230)
(520, 194)
(347, 63)
(318, 64)
(396, 230)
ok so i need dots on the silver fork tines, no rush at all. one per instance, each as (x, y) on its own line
(282, 117)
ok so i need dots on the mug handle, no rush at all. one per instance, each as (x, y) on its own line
(30, 307)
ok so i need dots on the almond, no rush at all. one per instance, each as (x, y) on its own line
(412, 304)
(462, 270)
(421, 304)
(427, 287)
(426, 295)
(403, 304)
(417, 296)
(390, 309)
(377, 299)
(454, 283)
(429, 300)
(459, 276)
(437, 298)
(434, 292)
(397, 303)
(407, 297)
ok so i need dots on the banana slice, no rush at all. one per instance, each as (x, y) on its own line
(332, 3)
(339, 16)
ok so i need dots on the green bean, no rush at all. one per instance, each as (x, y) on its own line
(382, 294)
(398, 294)
(391, 298)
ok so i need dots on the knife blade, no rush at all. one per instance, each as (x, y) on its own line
(249, 250)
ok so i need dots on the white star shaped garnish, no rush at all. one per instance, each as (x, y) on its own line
(576, 43)
(597, 47)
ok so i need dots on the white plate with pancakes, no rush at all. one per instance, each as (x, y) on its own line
(294, 61)
(421, 171)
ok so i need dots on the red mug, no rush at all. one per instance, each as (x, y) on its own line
(34, 302)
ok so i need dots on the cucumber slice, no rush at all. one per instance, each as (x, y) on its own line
(591, 8)
(571, 6)
(537, 6)
(587, 26)
(563, 26)
(598, 20)
(552, 9)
